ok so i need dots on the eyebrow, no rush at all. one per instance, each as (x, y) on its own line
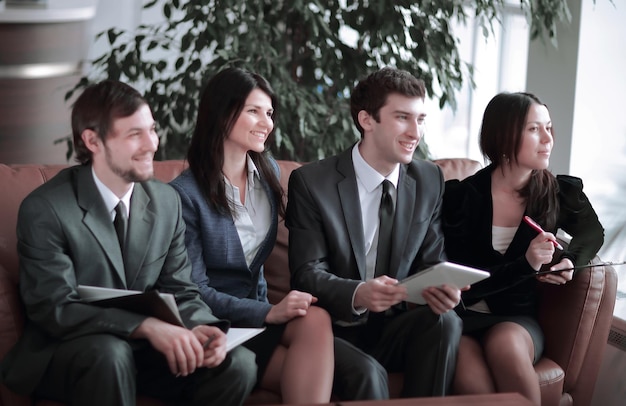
(132, 129)
(408, 113)
(256, 105)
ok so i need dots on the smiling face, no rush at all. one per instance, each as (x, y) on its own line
(394, 137)
(537, 140)
(253, 125)
(127, 151)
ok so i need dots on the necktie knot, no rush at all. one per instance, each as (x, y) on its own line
(386, 201)
(121, 223)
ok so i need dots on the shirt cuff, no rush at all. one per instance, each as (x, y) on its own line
(360, 310)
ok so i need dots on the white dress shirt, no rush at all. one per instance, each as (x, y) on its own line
(110, 199)
(253, 217)
(369, 183)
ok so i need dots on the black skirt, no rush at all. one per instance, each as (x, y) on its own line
(263, 345)
(476, 324)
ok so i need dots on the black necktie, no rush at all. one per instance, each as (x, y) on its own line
(121, 224)
(385, 216)
(376, 321)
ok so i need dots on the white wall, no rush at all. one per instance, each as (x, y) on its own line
(599, 132)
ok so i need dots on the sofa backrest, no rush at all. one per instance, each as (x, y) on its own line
(17, 181)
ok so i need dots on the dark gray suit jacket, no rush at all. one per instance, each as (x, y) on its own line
(66, 238)
(326, 242)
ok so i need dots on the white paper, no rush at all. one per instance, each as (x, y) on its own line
(237, 335)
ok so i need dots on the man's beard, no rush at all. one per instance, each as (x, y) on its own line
(129, 175)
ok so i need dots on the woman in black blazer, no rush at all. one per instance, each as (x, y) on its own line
(484, 227)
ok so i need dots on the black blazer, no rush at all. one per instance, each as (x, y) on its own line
(326, 242)
(467, 221)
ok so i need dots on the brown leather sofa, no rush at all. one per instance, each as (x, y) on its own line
(576, 317)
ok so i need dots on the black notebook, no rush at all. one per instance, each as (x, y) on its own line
(150, 303)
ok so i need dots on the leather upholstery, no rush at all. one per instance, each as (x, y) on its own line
(576, 318)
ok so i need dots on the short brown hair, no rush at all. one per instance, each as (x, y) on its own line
(370, 94)
(97, 107)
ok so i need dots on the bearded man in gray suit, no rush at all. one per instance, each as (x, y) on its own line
(79, 353)
(336, 255)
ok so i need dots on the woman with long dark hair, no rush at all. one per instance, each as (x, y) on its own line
(232, 198)
(484, 227)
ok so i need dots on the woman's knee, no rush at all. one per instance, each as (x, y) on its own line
(508, 342)
(316, 316)
(315, 326)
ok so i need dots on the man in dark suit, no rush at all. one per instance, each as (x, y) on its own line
(83, 354)
(335, 252)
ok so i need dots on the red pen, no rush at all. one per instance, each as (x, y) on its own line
(538, 229)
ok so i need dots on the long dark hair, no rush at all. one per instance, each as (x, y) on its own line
(221, 103)
(501, 135)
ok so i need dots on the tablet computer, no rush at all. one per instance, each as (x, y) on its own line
(447, 273)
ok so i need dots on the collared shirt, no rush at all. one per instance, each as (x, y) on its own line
(369, 183)
(110, 199)
(253, 217)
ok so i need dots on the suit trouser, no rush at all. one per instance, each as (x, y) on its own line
(418, 343)
(106, 370)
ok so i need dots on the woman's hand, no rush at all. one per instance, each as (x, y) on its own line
(295, 304)
(540, 250)
(559, 278)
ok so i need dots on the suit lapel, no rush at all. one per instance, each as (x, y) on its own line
(140, 228)
(97, 220)
(270, 236)
(405, 209)
(351, 209)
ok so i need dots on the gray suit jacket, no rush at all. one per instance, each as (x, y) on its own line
(66, 238)
(326, 242)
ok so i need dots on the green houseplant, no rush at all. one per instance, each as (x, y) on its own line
(301, 47)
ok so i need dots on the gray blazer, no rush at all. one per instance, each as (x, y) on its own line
(326, 242)
(66, 238)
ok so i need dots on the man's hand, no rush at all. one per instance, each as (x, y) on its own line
(559, 278)
(181, 347)
(441, 299)
(294, 304)
(214, 344)
(379, 294)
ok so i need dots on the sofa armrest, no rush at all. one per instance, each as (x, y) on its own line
(576, 319)
(11, 326)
